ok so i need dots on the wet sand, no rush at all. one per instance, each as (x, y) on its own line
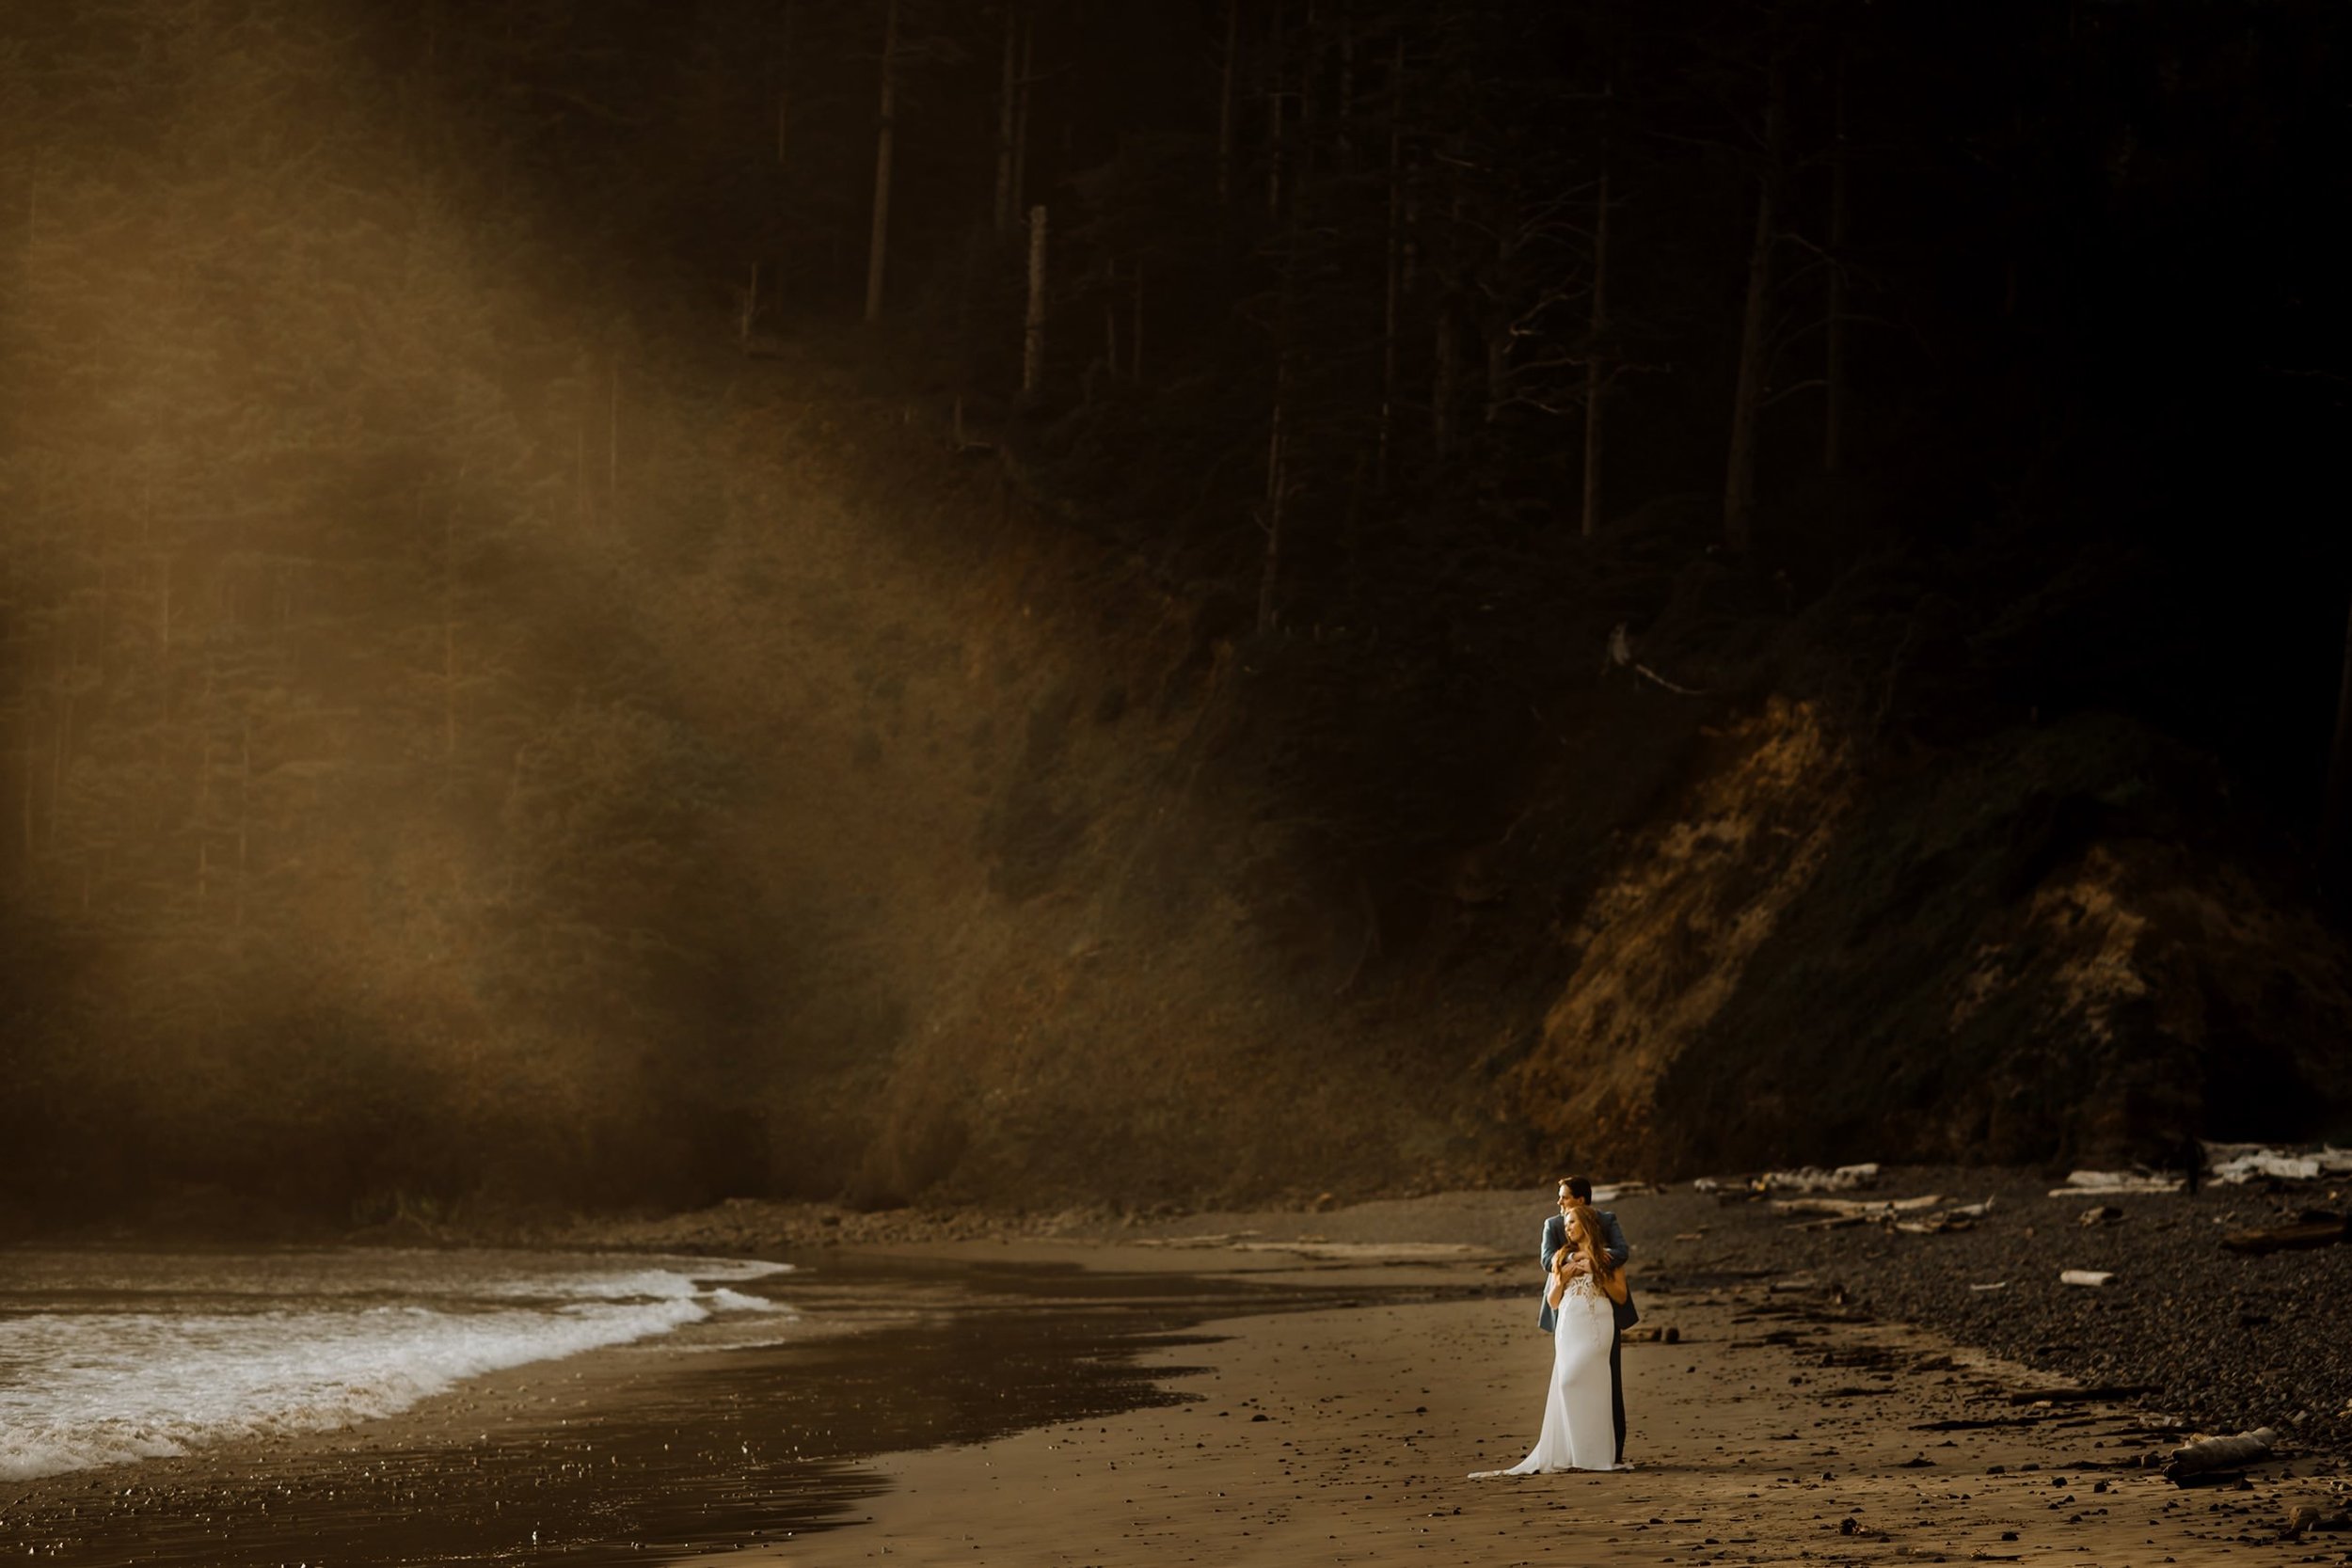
(658, 1451)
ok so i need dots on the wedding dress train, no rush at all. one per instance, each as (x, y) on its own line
(1580, 1434)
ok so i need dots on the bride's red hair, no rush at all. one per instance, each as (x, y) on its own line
(1585, 1236)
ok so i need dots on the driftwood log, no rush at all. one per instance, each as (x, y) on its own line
(2211, 1455)
(2102, 1393)
(2315, 1228)
(1856, 1207)
(2100, 1183)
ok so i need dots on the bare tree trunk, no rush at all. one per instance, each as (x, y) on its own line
(203, 798)
(1277, 431)
(1498, 344)
(1739, 467)
(1595, 374)
(1310, 59)
(613, 439)
(2336, 825)
(245, 792)
(1277, 485)
(1833, 372)
(59, 754)
(1412, 214)
(1274, 115)
(1446, 379)
(106, 601)
(1225, 103)
(2011, 265)
(1135, 336)
(31, 726)
(1442, 382)
(1021, 113)
(878, 247)
(449, 642)
(1007, 105)
(1033, 346)
(784, 83)
(1110, 316)
(1393, 298)
(1348, 91)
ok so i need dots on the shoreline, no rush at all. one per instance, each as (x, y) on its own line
(1837, 1340)
(2222, 1340)
(655, 1449)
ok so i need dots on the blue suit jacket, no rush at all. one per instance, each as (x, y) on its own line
(1613, 1243)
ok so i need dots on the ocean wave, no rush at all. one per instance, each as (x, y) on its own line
(147, 1379)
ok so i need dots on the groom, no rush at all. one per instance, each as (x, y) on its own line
(1613, 1243)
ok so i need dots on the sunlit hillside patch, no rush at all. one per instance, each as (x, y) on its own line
(1662, 947)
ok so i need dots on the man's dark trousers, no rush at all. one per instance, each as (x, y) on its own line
(1616, 1388)
(1626, 1316)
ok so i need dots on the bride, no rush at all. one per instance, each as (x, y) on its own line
(1578, 1433)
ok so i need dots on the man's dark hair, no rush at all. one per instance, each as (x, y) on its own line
(1580, 1188)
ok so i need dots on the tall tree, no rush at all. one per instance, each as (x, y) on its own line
(1275, 89)
(2335, 836)
(1596, 369)
(1394, 279)
(1011, 87)
(1228, 70)
(1834, 367)
(1033, 327)
(885, 126)
(1025, 95)
(1739, 493)
(783, 81)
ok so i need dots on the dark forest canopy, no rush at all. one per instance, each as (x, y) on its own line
(370, 397)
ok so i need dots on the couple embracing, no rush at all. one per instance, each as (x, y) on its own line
(1586, 1309)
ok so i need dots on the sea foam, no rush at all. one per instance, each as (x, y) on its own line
(113, 1359)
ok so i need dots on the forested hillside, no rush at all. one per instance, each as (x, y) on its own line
(635, 602)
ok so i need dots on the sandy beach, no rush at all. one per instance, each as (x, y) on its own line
(1316, 1388)
(1771, 1432)
(1788, 1423)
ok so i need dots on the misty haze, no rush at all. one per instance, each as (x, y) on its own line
(807, 777)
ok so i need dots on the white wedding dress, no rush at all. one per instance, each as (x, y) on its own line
(1578, 1433)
